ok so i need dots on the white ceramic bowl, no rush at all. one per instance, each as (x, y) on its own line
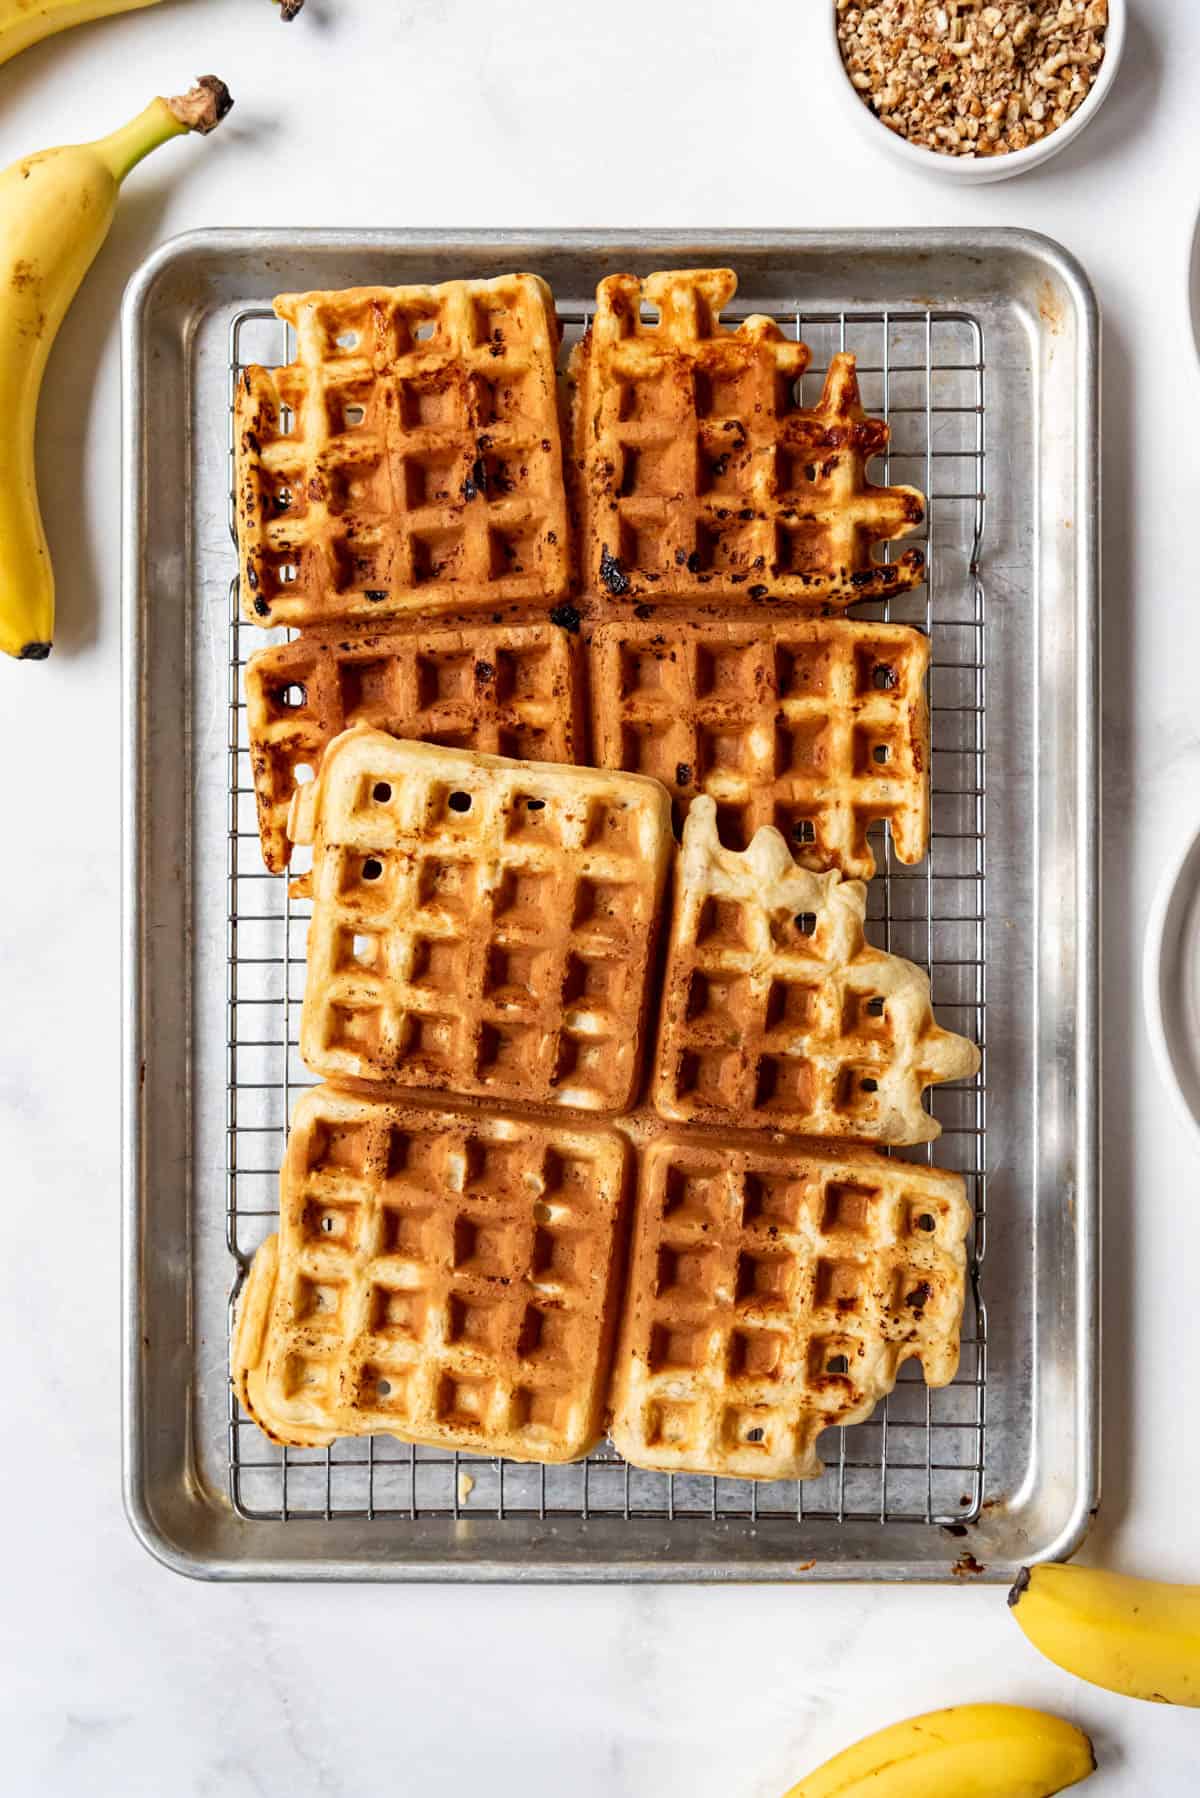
(983, 168)
(1171, 978)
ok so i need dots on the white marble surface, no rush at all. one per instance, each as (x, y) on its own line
(118, 1677)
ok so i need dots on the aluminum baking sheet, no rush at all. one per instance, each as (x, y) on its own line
(982, 350)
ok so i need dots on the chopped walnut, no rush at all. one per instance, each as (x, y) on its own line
(931, 70)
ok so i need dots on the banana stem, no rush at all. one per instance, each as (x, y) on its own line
(204, 106)
(201, 109)
(124, 148)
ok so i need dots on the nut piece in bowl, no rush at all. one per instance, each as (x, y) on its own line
(976, 91)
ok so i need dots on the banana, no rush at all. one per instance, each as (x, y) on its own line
(25, 22)
(55, 211)
(1136, 1636)
(969, 1751)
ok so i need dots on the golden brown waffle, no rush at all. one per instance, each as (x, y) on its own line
(422, 469)
(818, 726)
(480, 926)
(773, 1292)
(701, 476)
(509, 690)
(777, 1013)
(441, 1276)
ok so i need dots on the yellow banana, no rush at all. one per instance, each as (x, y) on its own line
(55, 211)
(1136, 1636)
(25, 22)
(969, 1751)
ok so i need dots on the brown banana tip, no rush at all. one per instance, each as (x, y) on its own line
(1019, 1586)
(290, 9)
(33, 652)
(204, 106)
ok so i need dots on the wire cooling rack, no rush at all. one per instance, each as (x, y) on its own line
(921, 1457)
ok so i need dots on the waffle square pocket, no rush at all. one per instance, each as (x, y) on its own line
(480, 926)
(817, 726)
(778, 1014)
(774, 1292)
(409, 459)
(700, 473)
(444, 1277)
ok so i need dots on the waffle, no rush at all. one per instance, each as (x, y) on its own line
(699, 473)
(443, 1277)
(774, 1292)
(819, 727)
(507, 689)
(422, 469)
(777, 1012)
(479, 925)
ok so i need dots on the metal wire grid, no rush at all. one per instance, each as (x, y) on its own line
(921, 1457)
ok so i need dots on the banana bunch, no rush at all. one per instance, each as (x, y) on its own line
(969, 1751)
(25, 22)
(1136, 1636)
